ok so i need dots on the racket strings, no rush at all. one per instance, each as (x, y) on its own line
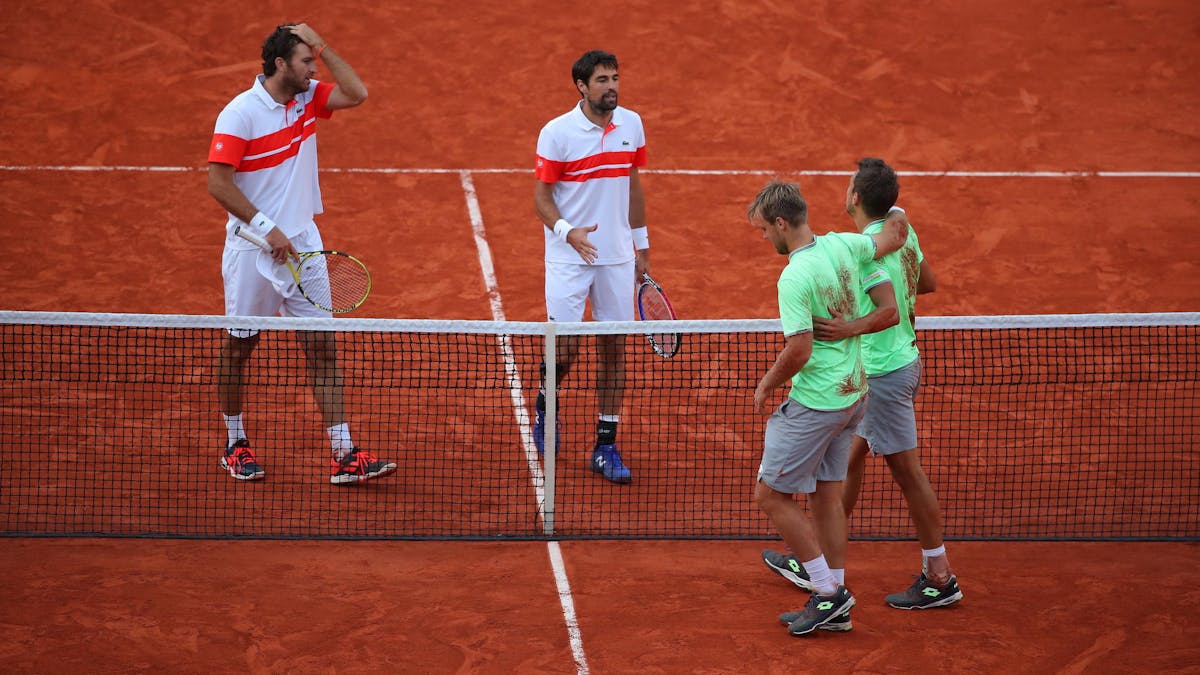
(654, 306)
(334, 281)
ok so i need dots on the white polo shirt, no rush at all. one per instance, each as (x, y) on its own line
(273, 148)
(589, 167)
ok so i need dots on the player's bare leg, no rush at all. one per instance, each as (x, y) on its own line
(610, 375)
(830, 600)
(936, 586)
(854, 473)
(830, 521)
(320, 353)
(238, 457)
(922, 507)
(231, 371)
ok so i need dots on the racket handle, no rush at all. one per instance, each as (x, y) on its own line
(251, 237)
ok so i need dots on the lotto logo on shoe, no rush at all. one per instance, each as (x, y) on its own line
(932, 592)
(825, 605)
(794, 564)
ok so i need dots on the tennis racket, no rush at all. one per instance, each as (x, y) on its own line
(333, 281)
(653, 305)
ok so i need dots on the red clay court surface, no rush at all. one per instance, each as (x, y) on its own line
(1069, 89)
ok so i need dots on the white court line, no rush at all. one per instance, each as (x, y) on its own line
(516, 389)
(675, 172)
(568, 607)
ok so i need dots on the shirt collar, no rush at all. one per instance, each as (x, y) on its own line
(260, 90)
(802, 248)
(585, 124)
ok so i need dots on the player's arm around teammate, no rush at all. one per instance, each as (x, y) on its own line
(885, 315)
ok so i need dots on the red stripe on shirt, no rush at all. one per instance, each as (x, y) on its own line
(321, 100)
(548, 170)
(551, 171)
(611, 172)
(277, 158)
(600, 159)
(226, 149)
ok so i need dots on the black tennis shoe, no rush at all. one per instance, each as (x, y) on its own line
(787, 566)
(839, 624)
(923, 594)
(821, 610)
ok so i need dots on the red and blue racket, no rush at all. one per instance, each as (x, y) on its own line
(653, 305)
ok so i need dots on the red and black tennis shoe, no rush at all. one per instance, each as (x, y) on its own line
(357, 466)
(240, 461)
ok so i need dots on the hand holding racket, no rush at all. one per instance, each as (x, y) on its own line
(653, 305)
(334, 281)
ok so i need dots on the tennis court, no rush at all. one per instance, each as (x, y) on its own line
(1048, 171)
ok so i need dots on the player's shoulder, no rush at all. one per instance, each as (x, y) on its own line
(621, 113)
(560, 123)
(244, 103)
(845, 241)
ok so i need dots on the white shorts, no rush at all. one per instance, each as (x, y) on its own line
(256, 286)
(610, 287)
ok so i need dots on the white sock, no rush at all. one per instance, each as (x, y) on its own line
(339, 439)
(820, 576)
(839, 576)
(233, 423)
(610, 418)
(927, 553)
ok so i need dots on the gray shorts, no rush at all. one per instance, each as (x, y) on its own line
(890, 425)
(804, 446)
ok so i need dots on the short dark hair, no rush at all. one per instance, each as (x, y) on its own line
(779, 199)
(877, 186)
(586, 65)
(280, 43)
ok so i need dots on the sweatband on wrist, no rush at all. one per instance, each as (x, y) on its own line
(317, 54)
(641, 238)
(561, 228)
(261, 224)
(895, 209)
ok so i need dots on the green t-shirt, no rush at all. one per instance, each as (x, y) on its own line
(894, 347)
(827, 273)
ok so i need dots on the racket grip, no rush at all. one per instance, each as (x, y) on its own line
(251, 237)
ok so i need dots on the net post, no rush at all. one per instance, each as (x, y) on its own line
(551, 427)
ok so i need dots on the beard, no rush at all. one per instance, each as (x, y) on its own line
(606, 103)
(295, 82)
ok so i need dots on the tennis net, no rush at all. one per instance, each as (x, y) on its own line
(1032, 427)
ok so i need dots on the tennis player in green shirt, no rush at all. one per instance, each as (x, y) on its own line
(893, 366)
(807, 443)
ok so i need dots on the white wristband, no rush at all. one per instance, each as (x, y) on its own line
(641, 238)
(561, 228)
(261, 224)
(895, 209)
